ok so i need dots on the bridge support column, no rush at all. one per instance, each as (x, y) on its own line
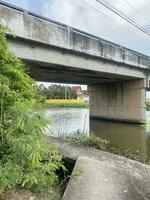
(120, 101)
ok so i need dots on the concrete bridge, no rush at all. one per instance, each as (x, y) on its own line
(117, 77)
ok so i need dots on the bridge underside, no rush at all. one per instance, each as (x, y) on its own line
(48, 63)
(112, 97)
(116, 91)
(62, 74)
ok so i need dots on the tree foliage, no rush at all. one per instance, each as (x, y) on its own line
(57, 92)
(25, 159)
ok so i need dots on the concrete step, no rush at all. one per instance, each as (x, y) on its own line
(101, 180)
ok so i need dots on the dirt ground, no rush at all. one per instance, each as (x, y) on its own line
(21, 194)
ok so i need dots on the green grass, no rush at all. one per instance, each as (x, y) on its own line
(66, 105)
(148, 107)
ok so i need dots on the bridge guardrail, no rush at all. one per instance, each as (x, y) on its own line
(139, 58)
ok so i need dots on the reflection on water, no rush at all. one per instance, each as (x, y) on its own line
(120, 134)
(68, 120)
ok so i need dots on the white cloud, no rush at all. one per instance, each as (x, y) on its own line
(106, 24)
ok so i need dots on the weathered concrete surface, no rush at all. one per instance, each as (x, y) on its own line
(120, 178)
(96, 180)
(30, 26)
(54, 64)
(47, 45)
(123, 101)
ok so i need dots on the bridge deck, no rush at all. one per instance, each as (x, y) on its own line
(33, 27)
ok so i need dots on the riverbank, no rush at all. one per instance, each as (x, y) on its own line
(104, 145)
(123, 178)
(65, 103)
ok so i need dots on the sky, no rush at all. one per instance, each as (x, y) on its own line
(90, 16)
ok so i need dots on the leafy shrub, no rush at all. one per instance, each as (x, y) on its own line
(25, 159)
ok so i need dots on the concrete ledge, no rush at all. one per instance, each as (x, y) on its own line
(109, 176)
(97, 180)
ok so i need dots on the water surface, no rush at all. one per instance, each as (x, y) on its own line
(69, 120)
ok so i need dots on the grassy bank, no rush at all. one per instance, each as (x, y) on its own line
(105, 145)
(65, 103)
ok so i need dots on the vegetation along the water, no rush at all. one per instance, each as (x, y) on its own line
(25, 160)
(60, 96)
(147, 106)
(65, 103)
(104, 145)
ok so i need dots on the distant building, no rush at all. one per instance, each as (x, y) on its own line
(81, 95)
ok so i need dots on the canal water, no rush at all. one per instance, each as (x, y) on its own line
(69, 120)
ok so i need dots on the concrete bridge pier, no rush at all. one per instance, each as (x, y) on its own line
(121, 100)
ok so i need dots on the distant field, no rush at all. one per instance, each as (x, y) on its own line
(148, 101)
(65, 103)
